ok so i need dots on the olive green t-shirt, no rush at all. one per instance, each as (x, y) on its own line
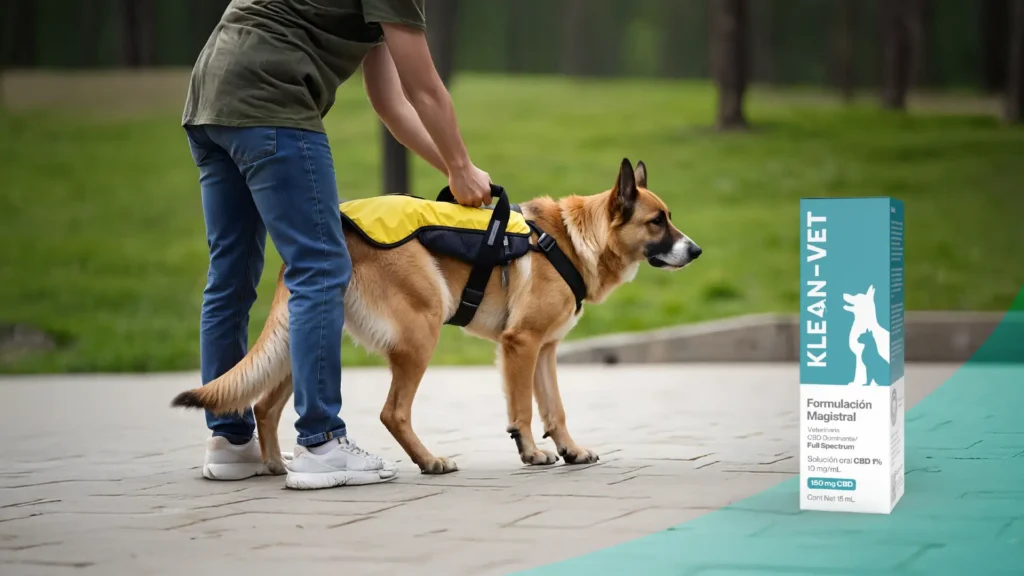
(280, 62)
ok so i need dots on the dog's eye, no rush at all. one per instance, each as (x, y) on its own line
(658, 220)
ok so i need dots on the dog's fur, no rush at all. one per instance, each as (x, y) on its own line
(398, 300)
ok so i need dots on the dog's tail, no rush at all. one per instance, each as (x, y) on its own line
(263, 368)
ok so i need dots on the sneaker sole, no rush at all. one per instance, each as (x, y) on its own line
(231, 472)
(321, 480)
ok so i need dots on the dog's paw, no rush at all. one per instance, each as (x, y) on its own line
(439, 466)
(275, 467)
(538, 457)
(578, 455)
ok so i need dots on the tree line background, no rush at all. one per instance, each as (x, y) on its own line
(957, 43)
(885, 47)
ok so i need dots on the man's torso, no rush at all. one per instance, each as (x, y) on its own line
(279, 62)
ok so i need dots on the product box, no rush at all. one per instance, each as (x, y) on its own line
(851, 354)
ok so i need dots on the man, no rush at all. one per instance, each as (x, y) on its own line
(253, 116)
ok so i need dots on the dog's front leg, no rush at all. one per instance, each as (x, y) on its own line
(549, 402)
(519, 350)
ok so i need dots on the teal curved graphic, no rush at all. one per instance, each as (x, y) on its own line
(963, 511)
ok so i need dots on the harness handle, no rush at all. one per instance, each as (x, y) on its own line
(497, 193)
(487, 257)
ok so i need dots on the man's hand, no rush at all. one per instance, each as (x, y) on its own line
(471, 187)
(429, 97)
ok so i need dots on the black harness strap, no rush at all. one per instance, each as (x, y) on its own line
(487, 257)
(562, 264)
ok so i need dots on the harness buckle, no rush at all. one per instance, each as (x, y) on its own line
(472, 298)
(545, 242)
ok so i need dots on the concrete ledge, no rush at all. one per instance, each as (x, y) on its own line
(930, 337)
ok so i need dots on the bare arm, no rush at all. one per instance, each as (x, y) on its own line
(386, 95)
(430, 99)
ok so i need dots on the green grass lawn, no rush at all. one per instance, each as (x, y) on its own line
(102, 240)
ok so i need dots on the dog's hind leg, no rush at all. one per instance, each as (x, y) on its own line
(519, 352)
(393, 308)
(408, 360)
(268, 416)
(549, 404)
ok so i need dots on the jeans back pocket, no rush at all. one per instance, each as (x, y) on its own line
(245, 145)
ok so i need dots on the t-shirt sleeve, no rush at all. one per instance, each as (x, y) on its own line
(408, 12)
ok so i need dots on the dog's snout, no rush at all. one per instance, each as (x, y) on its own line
(694, 251)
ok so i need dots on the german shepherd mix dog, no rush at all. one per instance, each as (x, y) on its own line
(398, 300)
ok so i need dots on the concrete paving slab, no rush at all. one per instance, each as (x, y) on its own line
(99, 476)
(961, 514)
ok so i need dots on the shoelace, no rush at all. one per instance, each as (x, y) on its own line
(351, 446)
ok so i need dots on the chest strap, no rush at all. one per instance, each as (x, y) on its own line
(562, 264)
(489, 253)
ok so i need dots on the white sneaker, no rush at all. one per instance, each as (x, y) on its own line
(227, 461)
(344, 465)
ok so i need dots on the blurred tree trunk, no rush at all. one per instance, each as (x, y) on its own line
(514, 35)
(94, 17)
(730, 60)
(1014, 105)
(17, 38)
(765, 38)
(673, 42)
(7, 42)
(605, 31)
(995, 36)
(396, 164)
(204, 15)
(844, 43)
(896, 64)
(917, 27)
(574, 21)
(441, 36)
(19, 33)
(138, 25)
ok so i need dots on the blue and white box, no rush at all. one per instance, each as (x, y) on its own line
(851, 354)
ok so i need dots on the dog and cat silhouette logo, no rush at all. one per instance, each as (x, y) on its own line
(869, 341)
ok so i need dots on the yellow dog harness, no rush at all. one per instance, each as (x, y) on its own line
(455, 230)
(484, 238)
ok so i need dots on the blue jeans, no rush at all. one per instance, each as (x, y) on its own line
(281, 180)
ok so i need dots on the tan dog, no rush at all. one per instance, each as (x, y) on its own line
(398, 300)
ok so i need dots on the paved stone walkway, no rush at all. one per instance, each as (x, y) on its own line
(99, 476)
(963, 511)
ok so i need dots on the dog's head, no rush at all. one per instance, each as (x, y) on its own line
(642, 226)
(861, 304)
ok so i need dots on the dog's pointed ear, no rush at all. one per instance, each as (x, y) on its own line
(871, 290)
(640, 174)
(624, 194)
